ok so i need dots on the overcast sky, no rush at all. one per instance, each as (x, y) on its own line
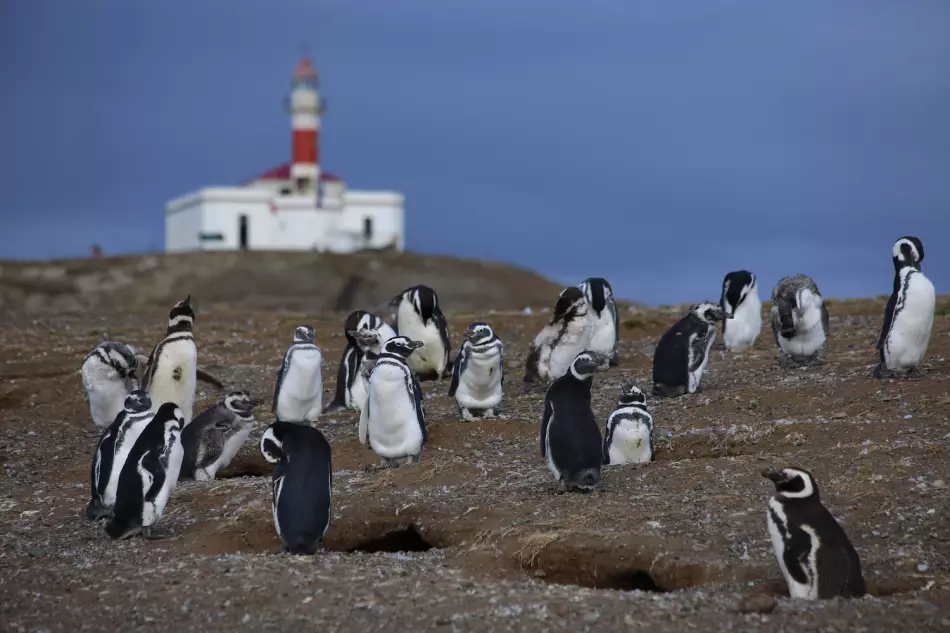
(657, 143)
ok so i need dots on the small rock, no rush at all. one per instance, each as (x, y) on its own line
(759, 603)
(36, 552)
(922, 567)
(442, 621)
(307, 600)
(940, 483)
(839, 415)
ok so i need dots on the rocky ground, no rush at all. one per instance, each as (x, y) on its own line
(475, 537)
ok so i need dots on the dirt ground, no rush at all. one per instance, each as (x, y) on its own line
(475, 537)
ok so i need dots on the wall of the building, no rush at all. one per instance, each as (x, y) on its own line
(182, 230)
(384, 209)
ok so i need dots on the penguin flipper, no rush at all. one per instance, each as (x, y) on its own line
(461, 360)
(280, 378)
(888, 321)
(204, 376)
(797, 548)
(545, 420)
(420, 410)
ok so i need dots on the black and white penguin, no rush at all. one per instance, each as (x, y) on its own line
(570, 436)
(605, 327)
(171, 374)
(559, 342)
(370, 343)
(683, 351)
(108, 377)
(740, 298)
(301, 486)
(478, 374)
(216, 435)
(113, 450)
(298, 394)
(149, 475)
(814, 553)
(350, 384)
(909, 314)
(799, 320)
(419, 317)
(393, 418)
(628, 436)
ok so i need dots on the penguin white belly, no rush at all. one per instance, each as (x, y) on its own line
(106, 392)
(697, 375)
(357, 391)
(431, 356)
(176, 377)
(806, 343)
(152, 511)
(630, 444)
(301, 391)
(231, 447)
(563, 352)
(386, 332)
(480, 386)
(795, 588)
(910, 333)
(744, 328)
(392, 423)
(124, 443)
(603, 338)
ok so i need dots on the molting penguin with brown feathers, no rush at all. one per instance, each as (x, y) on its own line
(799, 320)
(559, 342)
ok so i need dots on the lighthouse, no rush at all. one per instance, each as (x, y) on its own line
(305, 108)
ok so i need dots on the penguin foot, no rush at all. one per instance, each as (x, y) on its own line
(96, 511)
(388, 463)
(614, 361)
(152, 533)
(880, 372)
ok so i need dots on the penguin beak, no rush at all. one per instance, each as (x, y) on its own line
(416, 344)
(776, 476)
(255, 402)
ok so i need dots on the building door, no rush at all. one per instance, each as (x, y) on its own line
(242, 231)
(367, 230)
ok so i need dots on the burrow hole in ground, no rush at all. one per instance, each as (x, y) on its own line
(406, 538)
(620, 580)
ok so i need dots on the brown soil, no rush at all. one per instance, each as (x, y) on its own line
(475, 536)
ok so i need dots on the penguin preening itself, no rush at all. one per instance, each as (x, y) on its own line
(799, 320)
(909, 314)
(298, 393)
(350, 384)
(628, 436)
(108, 377)
(605, 328)
(113, 450)
(393, 417)
(216, 434)
(419, 317)
(370, 343)
(478, 374)
(683, 351)
(559, 342)
(149, 475)
(740, 298)
(171, 373)
(570, 436)
(301, 486)
(814, 553)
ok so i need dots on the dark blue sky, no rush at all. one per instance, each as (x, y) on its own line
(656, 143)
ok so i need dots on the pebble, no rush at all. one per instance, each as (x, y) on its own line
(940, 483)
(759, 603)
(839, 415)
(922, 567)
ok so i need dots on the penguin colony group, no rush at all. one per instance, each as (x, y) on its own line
(149, 439)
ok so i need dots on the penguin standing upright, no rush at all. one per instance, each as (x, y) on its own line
(559, 342)
(814, 553)
(108, 377)
(628, 436)
(909, 314)
(478, 373)
(370, 343)
(570, 436)
(216, 435)
(740, 298)
(172, 371)
(799, 320)
(301, 486)
(605, 328)
(419, 317)
(113, 449)
(350, 384)
(149, 475)
(393, 418)
(683, 351)
(298, 394)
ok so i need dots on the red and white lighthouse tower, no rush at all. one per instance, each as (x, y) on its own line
(305, 108)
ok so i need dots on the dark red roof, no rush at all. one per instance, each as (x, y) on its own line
(305, 70)
(282, 172)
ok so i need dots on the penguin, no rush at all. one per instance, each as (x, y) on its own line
(393, 418)
(683, 351)
(605, 328)
(369, 342)
(909, 314)
(628, 435)
(814, 553)
(216, 434)
(570, 436)
(113, 449)
(301, 486)
(799, 320)
(478, 374)
(149, 475)
(108, 377)
(740, 298)
(419, 317)
(559, 342)
(350, 384)
(171, 374)
(298, 394)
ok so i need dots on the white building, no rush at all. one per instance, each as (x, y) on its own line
(295, 206)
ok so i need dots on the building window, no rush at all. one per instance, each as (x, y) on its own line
(211, 237)
(367, 229)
